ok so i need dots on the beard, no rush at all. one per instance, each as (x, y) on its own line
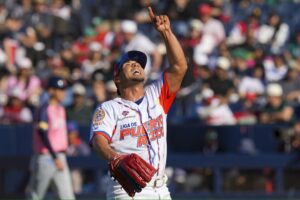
(138, 79)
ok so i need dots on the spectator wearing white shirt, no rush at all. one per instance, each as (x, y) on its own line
(135, 40)
(275, 68)
(211, 26)
(274, 33)
(28, 84)
(95, 60)
(214, 110)
(212, 32)
(252, 84)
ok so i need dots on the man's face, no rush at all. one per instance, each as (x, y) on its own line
(60, 94)
(275, 101)
(132, 70)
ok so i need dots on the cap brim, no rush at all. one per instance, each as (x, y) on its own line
(137, 56)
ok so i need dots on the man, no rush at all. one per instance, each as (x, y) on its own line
(50, 143)
(277, 110)
(135, 122)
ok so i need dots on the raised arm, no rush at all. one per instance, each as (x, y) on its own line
(176, 57)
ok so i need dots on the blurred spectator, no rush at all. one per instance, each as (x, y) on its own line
(291, 86)
(274, 33)
(76, 147)
(211, 143)
(140, 13)
(15, 111)
(220, 83)
(27, 83)
(247, 146)
(3, 16)
(111, 89)
(15, 30)
(238, 34)
(57, 67)
(69, 61)
(61, 18)
(194, 35)
(289, 138)
(293, 51)
(253, 83)
(80, 111)
(42, 21)
(275, 68)
(4, 74)
(221, 10)
(98, 87)
(247, 113)
(276, 110)
(214, 110)
(296, 137)
(96, 60)
(180, 9)
(104, 34)
(80, 47)
(75, 39)
(133, 40)
(211, 26)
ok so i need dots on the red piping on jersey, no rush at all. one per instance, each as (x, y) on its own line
(113, 132)
(104, 134)
(158, 155)
(166, 97)
(156, 140)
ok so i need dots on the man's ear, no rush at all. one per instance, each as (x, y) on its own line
(117, 79)
(50, 91)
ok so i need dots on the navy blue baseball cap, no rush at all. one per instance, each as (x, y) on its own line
(57, 83)
(137, 56)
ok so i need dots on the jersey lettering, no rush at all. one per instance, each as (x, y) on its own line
(154, 128)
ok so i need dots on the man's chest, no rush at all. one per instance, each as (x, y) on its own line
(140, 124)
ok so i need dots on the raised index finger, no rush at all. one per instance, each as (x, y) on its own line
(151, 14)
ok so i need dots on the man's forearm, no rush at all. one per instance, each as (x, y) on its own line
(174, 52)
(103, 149)
(45, 140)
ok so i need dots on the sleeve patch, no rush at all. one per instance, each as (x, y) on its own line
(43, 125)
(98, 117)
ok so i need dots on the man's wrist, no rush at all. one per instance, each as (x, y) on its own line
(113, 157)
(166, 33)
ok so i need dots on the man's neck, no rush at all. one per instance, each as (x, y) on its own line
(132, 93)
(53, 101)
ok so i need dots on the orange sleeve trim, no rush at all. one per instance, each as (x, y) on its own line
(104, 134)
(166, 98)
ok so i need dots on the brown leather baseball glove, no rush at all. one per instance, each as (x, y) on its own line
(132, 172)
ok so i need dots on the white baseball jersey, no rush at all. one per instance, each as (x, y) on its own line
(137, 128)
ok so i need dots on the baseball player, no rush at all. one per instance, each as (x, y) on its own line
(133, 125)
(50, 143)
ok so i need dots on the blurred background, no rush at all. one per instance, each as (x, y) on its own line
(234, 128)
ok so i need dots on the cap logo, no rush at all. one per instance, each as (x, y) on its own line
(60, 83)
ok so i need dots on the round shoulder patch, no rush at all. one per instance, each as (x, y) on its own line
(99, 116)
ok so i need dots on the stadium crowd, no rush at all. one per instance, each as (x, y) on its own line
(244, 56)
